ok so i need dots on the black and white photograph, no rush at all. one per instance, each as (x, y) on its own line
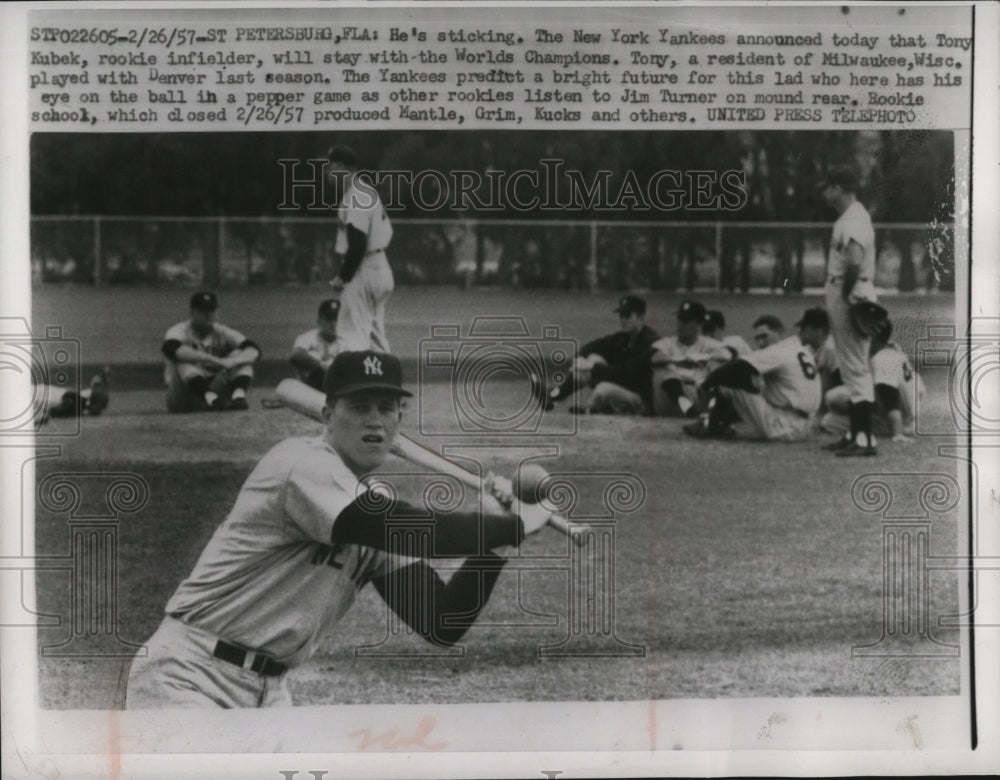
(545, 390)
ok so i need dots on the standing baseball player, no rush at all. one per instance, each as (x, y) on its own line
(775, 390)
(314, 350)
(364, 282)
(850, 279)
(614, 366)
(305, 535)
(209, 366)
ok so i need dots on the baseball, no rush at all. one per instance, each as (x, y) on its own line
(529, 483)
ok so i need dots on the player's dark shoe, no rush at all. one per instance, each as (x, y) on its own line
(856, 451)
(701, 430)
(238, 404)
(540, 394)
(217, 405)
(841, 444)
(99, 398)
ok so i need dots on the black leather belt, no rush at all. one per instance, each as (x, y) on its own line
(237, 656)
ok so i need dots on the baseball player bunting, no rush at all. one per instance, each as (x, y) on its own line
(304, 535)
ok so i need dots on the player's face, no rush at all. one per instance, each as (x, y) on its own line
(630, 322)
(831, 194)
(327, 328)
(361, 427)
(202, 320)
(687, 331)
(812, 337)
(763, 336)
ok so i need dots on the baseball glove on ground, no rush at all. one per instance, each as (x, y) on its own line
(867, 317)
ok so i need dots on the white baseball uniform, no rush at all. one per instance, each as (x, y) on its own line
(220, 341)
(690, 363)
(790, 394)
(312, 342)
(854, 224)
(361, 323)
(268, 584)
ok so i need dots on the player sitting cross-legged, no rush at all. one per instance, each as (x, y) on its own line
(681, 362)
(209, 366)
(775, 389)
(615, 367)
(307, 532)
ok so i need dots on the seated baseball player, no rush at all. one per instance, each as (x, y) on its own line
(714, 327)
(209, 366)
(305, 535)
(314, 350)
(897, 388)
(774, 389)
(54, 401)
(613, 366)
(681, 363)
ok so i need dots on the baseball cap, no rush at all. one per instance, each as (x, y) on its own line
(630, 304)
(691, 311)
(352, 372)
(814, 318)
(329, 309)
(715, 320)
(204, 300)
(842, 176)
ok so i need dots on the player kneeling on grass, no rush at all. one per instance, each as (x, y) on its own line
(314, 350)
(208, 365)
(54, 401)
(897, 388)
(775, 390)
(304, 536)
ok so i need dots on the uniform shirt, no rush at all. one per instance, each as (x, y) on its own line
(317, 346)
(826, 359)
(362, 209)
(854, 224)
(737, 344)
(621, 346)
(790, 377)
(269, 579)
(699, 354)
(891, 366)
(220, 340)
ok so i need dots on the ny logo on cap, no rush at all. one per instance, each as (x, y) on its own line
(373, 366)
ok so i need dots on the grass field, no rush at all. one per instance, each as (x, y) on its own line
(747, 570)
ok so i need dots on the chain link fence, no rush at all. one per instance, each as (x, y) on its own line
(586, 255)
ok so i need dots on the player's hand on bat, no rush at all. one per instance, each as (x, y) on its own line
(501, 488)
(534, 517)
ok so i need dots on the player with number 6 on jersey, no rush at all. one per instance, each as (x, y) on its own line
(775, 390)
(307, 532)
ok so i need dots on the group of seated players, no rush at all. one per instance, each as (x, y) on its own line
(784, 388)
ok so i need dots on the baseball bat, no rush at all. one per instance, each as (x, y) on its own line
(309, 401)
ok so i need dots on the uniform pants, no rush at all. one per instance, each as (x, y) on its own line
(768, 422)
(361, 322)
(179, 395)
(663, 404)
(181, 672)
(852, 349)
(837, 420)
(610, 398)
